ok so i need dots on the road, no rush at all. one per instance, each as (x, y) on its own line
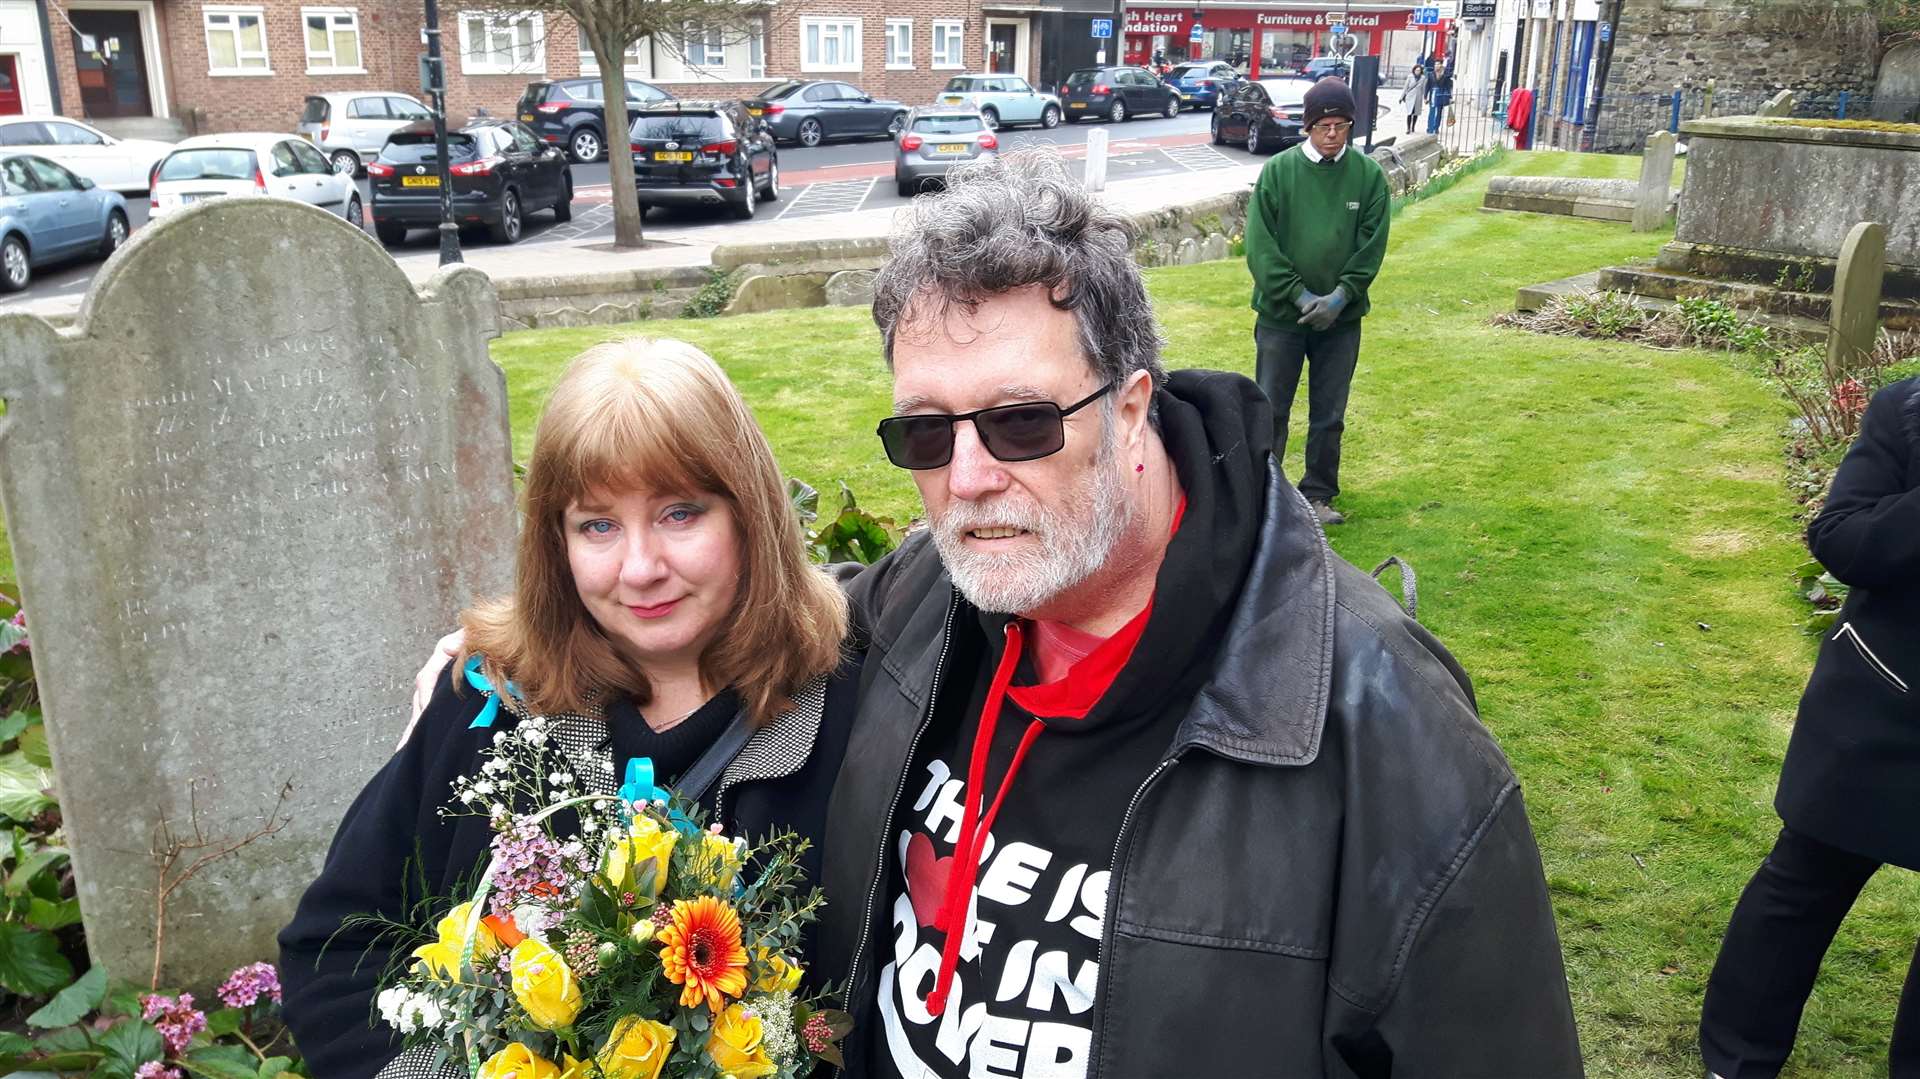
(835, 178)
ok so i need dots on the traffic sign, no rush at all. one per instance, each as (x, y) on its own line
(1103, 28)
(1606, 31)
(1198, 33)
(1426, 16)
(1338, 29)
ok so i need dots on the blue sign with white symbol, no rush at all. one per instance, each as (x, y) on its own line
(1426, 16)
(1338, 29)
(1198, 33)
(1606, 31)
(1103, 28)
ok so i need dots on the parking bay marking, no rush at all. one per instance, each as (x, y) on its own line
(819, 200)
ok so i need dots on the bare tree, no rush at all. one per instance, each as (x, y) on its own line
(609, 28)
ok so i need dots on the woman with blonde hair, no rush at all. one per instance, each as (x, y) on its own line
(663, 610)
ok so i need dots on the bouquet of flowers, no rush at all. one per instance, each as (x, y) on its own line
(643, 944)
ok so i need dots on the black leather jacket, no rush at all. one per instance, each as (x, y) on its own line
(1329, 874)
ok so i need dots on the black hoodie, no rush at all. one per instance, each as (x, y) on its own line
(1026, 973)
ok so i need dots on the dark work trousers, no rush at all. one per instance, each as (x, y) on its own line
(1329, 358)
(1780, 931)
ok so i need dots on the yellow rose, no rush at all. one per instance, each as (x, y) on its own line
(735, 1048)
(781, 976)
(544, 986)
(642, 930)
(442, 957)
(644, 842)
(636, 1049)
(517, 1061)
(574, 1069)
(719, 861)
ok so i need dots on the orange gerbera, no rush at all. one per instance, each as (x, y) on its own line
(701, 952)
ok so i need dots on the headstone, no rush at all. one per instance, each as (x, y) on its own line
(1186, 252)
(1656, 179)
(850, 288)
(1896, 91)
(243, 491)
(775, 292)
(1780, 104)
(1214, 247)
(1855, 317)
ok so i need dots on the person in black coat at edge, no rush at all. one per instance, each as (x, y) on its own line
(1849, 792)
(663, 607)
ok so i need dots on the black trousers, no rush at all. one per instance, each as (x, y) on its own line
(1780, 931)
(1329, 358)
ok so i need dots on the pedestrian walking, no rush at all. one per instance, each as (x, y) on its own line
(1850, 788)
(1414, 97)
(1316, 233)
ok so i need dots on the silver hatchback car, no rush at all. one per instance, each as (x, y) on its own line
(936, 138)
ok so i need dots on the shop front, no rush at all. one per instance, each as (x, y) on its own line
(1270, 40)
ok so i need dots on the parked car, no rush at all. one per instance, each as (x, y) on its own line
(704, 153)
(350, 128)
(1116, 93)
(570, 113)
(113, 163)
(251, 163)
(935, 139)
(1002, 99)
(47, 214)
(810, 111)
(1201, 82)
(1263, 115)
(500, 174)
(1321, 66)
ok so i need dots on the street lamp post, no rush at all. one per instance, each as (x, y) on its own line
(437, 88)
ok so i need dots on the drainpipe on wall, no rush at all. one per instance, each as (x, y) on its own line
(1600, 74)
(46, 46)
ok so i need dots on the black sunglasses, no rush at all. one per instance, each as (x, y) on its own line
(1022, 432)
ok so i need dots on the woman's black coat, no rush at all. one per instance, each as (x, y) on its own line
(1852, 774)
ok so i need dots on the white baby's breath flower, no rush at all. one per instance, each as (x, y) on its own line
(558, 779)
(589, 825)
(485, 786)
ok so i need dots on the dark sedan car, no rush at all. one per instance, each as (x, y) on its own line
(704, 153)
(1117, 93)
(501, 173)
(569, 113)
(1263, 115)
(810, 111)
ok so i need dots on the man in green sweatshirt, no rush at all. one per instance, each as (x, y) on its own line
(1316, 231)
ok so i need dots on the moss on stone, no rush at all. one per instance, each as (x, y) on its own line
(1852, 125)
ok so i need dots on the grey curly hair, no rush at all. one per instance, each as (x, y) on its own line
(1012, 221)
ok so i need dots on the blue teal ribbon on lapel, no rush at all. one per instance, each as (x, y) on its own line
(479, 681)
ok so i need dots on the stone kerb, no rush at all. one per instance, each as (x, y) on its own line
(258, 472)
(1600, 200)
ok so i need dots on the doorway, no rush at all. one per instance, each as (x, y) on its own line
(110, 62)
(10, 85)
(1007, 47)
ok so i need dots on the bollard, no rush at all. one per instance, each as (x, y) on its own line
(1097, 159)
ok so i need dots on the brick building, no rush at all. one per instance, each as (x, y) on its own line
(218, 65)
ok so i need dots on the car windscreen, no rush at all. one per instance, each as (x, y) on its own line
(679, 126)
(315, 112)
(416, 147)
(1189, 71)
(947, 125)
(1080, 80)
(775, 93)
(959, 85)
(211, 163)
(1286, 91)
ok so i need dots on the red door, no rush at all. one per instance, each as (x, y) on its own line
(10, 86)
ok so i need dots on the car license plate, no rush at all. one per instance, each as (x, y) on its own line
(672, 155)
(951, 148)
(752, 111)
(1077, 105)
(419, 181)
(951, 100)
(1184, 96)
(526, 118)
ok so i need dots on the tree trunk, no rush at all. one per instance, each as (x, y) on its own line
(612, 56)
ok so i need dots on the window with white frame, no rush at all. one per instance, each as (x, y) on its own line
(949, 43)
(236, 41)
(636, 58)
(899, 44)
(490, 45)
(333, 40)
(757, 51)
(704, 48)
(829, 44)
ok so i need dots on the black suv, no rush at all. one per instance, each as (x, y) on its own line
(1117, 93)
(501, 173)
(703, 153)
(569, 113)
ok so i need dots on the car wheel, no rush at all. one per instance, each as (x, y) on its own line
(116, 234)
(1050, 117)
(1118, 114)
(899, 123)
(356, 214)
(990, 117)
(810, 132)
(1173, 108)
(747, 205)
(1253, 138)
(563, 210)
(507, 229)
(345, 162)
(389, 233)
(1218, 138)
(772, 190)
(905, 187)
(15, 268)
(586, 146)
(643, 211)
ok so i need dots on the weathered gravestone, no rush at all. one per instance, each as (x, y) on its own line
(242, 492)
(1855, 317)
(1654, 193)
(1780, 104)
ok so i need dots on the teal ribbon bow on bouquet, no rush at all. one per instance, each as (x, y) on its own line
(479, 682)
(639, 786)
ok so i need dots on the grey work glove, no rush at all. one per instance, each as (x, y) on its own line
(1319, 312)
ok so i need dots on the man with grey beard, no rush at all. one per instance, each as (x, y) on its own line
(1144, 781)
